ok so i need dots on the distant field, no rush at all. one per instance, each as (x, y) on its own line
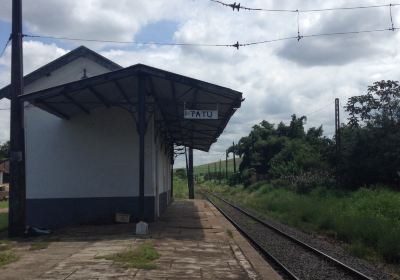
(214, 167)
(3, 204)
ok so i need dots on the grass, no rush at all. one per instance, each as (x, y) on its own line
(180, 188)
(3, 204)
(6, 256)
(367, 220)
(3, 221)
(39, 246)
(142, 257)
(229, 233)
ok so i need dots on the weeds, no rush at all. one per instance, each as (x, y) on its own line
(142, 257)
(7, 258)
(39, 246)
(367, 219)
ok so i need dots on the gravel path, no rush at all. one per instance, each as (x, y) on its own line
(304, 264)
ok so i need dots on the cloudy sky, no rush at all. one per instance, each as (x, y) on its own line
(277, 79)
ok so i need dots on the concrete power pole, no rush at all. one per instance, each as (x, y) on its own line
(17, 142)
(337, 139)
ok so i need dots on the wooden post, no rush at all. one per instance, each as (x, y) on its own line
(17, 216)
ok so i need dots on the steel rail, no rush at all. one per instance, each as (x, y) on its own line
(255, 243)
(338, 263)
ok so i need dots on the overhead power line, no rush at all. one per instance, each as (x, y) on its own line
(236, 45)
(126, 42)
(238, 7)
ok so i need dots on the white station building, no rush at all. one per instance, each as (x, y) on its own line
(99, 138)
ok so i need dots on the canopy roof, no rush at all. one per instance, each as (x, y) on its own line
(168, 92)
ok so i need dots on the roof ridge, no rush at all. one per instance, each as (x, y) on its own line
(55, 64)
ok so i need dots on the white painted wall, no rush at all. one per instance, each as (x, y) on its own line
(87, 156)
(94, 155)
(70, 72)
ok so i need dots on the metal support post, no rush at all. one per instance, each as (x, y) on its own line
(17, 216)
(190, 175)
(172, 171)
(142, 132)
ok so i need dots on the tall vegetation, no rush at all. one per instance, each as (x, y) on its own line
(370, 146)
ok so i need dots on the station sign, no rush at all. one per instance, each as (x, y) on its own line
(201, 114)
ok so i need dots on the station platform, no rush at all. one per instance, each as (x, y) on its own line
(193, 239)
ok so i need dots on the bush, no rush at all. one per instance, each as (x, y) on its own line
(234, 179)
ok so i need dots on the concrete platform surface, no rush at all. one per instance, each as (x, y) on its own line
(193, 239)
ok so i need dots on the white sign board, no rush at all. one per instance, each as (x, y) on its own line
(201, 114)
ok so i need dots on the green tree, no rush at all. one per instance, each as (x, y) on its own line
(5, 150)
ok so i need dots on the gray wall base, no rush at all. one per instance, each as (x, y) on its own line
(60, 212)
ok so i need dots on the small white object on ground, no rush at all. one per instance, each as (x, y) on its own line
(142, 228)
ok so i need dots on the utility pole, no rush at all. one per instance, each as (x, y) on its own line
(337, 125)
(220, 171)
(190, 175)
(16, 216)
(337, 139)
(226, 165)
(234, 158)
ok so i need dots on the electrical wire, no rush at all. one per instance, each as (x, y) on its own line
(238, 7)
(237, 45)
(126, 42)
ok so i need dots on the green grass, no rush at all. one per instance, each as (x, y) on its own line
(7, 257)
(180, 188)
(39, 246)
(4, 204)
(142, 257)
(229, 233)
(367, 220)
(3, 221)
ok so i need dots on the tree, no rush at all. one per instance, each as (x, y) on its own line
(371, 139)
(5, 150)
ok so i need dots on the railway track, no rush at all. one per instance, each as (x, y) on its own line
(295, 258)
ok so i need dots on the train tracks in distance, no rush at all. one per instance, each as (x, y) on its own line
(295, 258)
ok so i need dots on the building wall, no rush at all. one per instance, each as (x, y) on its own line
(86, 169)
(87, 166)
(70, 72)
